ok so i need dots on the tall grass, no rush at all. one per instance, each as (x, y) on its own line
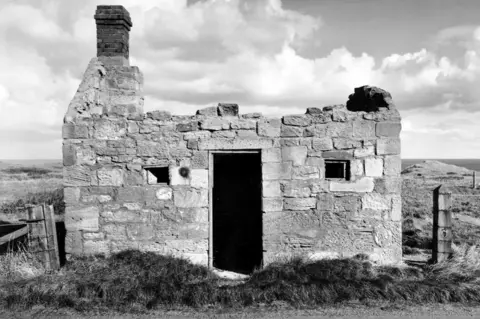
(49, 197)
(137, 281)
(464, 266)
(19, 265)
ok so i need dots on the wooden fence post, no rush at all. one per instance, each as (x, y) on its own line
(442, 224)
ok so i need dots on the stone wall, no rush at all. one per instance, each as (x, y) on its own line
(113, 200)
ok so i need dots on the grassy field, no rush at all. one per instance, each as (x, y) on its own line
(144, 281)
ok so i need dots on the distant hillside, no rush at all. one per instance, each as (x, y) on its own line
(52, 164)
(435, 168)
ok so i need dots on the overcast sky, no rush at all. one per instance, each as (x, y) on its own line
(277, 57)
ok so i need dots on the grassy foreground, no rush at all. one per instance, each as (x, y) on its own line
(143, 281)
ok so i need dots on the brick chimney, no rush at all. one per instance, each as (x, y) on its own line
(113, 27)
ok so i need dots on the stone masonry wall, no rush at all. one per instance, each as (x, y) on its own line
(112, 203)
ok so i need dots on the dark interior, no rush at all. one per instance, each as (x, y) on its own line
(161, 173)
(237, 212)
(336, 169)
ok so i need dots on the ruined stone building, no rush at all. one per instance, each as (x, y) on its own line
(229, 190)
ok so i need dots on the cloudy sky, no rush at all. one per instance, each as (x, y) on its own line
(273, 56)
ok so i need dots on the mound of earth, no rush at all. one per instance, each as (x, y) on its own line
(435, 168)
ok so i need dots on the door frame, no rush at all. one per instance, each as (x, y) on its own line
(210, 194)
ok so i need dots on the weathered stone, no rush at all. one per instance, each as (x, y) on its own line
(338, 154)
(106, 129)
(93, 236)
(360, 185)
(208, 111)
(336, 129)
(227, 109)
(325, 202)
(148, 148)
(291, 131)
(388, 129)
(269, 128)
(130, 194)
(364, 152)
(247, 134)
(364, 129)
(81, 218)
(296, 188)
(356, 168)
(387, 146)
(315, 161)
(296, 154)
(349, 204)
(243, 124)
(345, 143)
(71, 195)
(140, 232)
(272, 204)
(164, 193)
(296, 120)
(72, 131)
(187, 197)
(76, 176)
(187, 127)
(69, 154)
(232, 144)
(96, 247)
(299, 203)
(271, 189)
(224, 134)
(214, 124)
(317, 130)
(374, 167)
(396, 213)
(273, 171)
(393, 165)
(388, 185)
(320, 186)
(110, 177)
(322, 144)
(376, 202)
(271, 155)
(253, 115)
(196, 135)
(200, 159)
(305, 172)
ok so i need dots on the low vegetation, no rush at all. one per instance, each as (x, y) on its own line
(49, 197)
(144, 280)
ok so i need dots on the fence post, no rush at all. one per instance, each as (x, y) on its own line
(442, 224)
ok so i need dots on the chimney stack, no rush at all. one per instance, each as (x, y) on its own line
(113, 27)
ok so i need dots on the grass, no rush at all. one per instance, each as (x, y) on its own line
(463, 267)
(19, 265)
(49, 197)
(31, 172)
(144, 280)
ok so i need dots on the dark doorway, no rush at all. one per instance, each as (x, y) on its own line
(237, 211)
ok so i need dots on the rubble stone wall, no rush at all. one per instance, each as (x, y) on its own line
(114, 201)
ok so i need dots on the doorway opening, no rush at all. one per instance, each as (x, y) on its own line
(237, 211)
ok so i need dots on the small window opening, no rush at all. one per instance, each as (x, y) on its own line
(337, 169)
(158, 175)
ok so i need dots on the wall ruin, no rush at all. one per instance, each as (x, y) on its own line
(115, 155)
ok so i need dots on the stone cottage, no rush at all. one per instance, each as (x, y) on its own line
(224, 189)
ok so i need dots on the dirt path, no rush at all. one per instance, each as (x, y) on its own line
(346, 311)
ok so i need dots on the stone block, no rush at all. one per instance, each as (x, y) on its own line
(297, 120)
(243, 124)
(153, 149)
(71, 195)
(164, 193)
(273, 171)
(73, 131)
(74, 242)
(342, 155)
(396, 212)
(187, 127)
(232, 144)
(272, 204)
(305, 172)
(299, 203)
(291, 131)
(82, 218)
(131, 194)
(376, 201)
(271, 155)
(110, 177)
(139, 232)
(339, 129)
(356, 168)
(296, 188)
(388, 129)
(271, 189)
(215, 124)
(315, 161)
(193, 215)
(247, 134)
(296, 154)
(199, 159)
(85, 156)
(185, 197)
(269, 128)
(349, 204)
(393, 165)
(227, 109)
(345, 143)
(388, 185)
(322, 144)
(208, 111)
(69, 154)
(320, 186)
(107, 129)
(364, 151)
(325, 202)
(317, 130)
(224, 134)
(388, 146)
(374, 167)
(364, 129)
(196, 135)
(77, 176)
(361, 185)
(93, 236)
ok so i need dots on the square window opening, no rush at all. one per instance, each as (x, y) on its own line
(158, 175)
(337, 169)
